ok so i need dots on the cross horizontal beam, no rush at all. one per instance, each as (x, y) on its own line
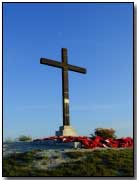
(76, 69)
(61, 65)
(51, 62)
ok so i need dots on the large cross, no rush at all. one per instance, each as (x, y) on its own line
(65, 84)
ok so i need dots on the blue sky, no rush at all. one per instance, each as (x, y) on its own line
(99, 37)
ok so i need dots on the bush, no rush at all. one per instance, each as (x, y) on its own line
(8, 140)
(105, 133)
(76, 154)
(25, 138)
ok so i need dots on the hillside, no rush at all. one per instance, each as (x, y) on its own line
(71, 162)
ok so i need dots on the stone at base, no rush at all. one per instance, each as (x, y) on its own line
(66, 131)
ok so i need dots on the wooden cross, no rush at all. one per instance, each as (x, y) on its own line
(65, 84)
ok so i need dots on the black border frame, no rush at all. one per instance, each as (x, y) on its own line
(133, 67)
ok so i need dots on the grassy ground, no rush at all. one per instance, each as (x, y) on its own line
(104, 162)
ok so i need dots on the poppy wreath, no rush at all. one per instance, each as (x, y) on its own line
(90, 143)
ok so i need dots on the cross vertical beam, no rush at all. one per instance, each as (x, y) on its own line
(65, 88)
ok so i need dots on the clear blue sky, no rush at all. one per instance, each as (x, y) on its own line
(99, 37)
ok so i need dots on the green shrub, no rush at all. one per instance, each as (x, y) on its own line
(105, 133)
(9, 140)
(75, 154)
(25, 138)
